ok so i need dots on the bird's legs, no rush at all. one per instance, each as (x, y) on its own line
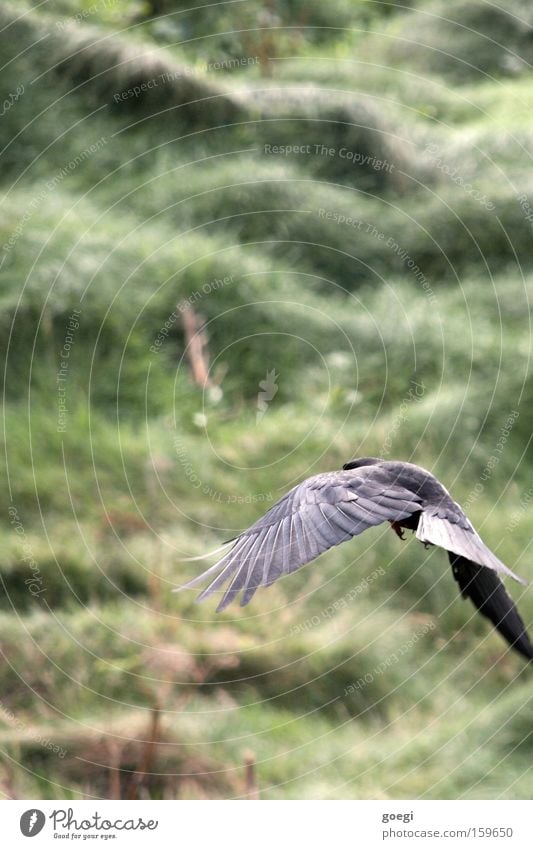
(410, 522)
(398, 530)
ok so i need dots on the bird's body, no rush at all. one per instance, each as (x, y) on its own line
(332, 507)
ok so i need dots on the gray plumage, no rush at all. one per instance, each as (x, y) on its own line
(333, 507)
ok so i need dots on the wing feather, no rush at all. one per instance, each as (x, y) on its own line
(248, 572)
(329, 509)
(229, 564)
(313, 517)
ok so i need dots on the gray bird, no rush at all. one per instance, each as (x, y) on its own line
(330, 508)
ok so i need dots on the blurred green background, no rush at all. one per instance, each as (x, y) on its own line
(341, 192)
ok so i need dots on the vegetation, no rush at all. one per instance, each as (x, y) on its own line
(348, 213)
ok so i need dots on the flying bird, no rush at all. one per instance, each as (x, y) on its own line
(333, 507)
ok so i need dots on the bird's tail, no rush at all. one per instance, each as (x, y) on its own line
(485, 590)
(464, 542)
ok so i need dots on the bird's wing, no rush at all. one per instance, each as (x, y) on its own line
(321, 512)
(446, 525)
(483, 587)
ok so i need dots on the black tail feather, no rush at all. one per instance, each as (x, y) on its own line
(483, 587)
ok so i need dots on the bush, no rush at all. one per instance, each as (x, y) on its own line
(465, 41)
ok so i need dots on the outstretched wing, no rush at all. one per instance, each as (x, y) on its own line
(320, 513)
(483, 587)
(446, 525)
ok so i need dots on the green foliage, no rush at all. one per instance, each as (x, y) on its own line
(263, 31)
(465, 40)
(352, 284)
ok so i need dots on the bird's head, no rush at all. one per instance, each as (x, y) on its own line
(362, 461)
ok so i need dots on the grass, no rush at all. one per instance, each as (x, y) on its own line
(354, 284)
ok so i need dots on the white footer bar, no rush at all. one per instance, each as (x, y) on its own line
(269, 824)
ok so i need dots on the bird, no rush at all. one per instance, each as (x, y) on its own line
(332, 507)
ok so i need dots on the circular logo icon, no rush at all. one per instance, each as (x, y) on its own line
(32, 822)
